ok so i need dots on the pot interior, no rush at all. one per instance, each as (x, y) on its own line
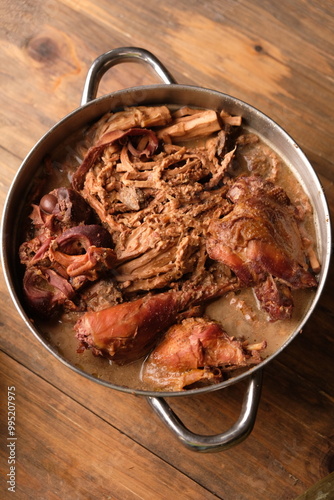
(178, 95)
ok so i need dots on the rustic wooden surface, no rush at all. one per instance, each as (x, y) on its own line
(79, 440)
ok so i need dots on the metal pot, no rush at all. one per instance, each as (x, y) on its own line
(167, 93)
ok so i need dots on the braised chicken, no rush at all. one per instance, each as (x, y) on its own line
(196, 352)
(167, 211)
(126, 332)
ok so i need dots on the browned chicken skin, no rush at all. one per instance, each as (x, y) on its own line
(128, 331)
(196, 351)
(261, 242)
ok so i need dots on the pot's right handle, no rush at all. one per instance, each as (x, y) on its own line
(117, 56)
(219, 442)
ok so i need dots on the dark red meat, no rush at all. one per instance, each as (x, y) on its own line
(259, 238)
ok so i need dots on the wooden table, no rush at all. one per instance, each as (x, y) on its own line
(77, 439)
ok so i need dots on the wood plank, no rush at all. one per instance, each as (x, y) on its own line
(9, 165)
(65, 451)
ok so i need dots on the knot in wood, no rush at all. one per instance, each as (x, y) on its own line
(43, 49)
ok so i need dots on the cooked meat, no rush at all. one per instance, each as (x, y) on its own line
(127, 331)
(90, 263)
(193, 125)
(132, 117)
(47, 292)
(275, 298)
(57, 211)
(157, 205)
(60, 209)
(100, 294)
(95, 152)
(194, 352)
(236, 121)
(77, 239)
(260, 237)
(61, 265)
(159, 223)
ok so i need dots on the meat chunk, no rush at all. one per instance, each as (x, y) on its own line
(100, 294)
(77, 239)
(127, 331)
(57, 211)
(275, 298)
(47, 292)
(61, 209)
(192, 125)
(61, 257)
(260, 237)
(83, 251)
(197, 351)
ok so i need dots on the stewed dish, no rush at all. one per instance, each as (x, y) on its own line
(167, 248)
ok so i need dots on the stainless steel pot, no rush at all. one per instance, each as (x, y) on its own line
(167, 93)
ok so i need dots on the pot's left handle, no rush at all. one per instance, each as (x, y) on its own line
(218, 442)
(117, 56)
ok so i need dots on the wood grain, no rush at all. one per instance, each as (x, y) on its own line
(114, 466)
(78, 439)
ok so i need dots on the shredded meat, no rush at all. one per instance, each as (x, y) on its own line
(127, 331)
(189, 126)
(156, 205)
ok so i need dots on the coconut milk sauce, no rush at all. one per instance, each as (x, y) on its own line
(237, 312)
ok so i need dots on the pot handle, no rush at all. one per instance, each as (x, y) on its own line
(219, 442)
(117, 56)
